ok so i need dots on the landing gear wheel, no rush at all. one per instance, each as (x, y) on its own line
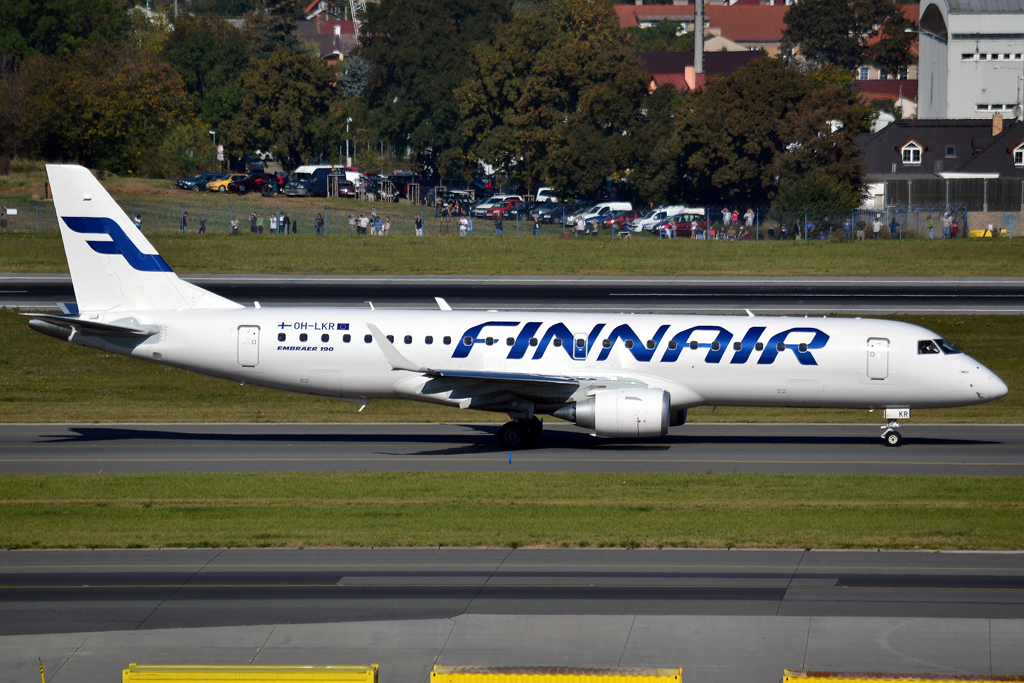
(513, 435)
(534, 426)
(892, 438)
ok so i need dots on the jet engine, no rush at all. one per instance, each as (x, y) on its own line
(625, 413)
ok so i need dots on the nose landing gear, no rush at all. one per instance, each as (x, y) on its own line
(890, 436)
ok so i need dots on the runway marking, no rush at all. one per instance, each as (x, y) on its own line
(511, 565)
(387, 459)
(784, 586)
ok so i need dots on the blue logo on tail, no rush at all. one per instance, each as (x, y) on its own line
(119, 243)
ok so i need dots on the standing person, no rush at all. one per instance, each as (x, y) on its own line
(469, 224)
(931, 227)
(536, 226)
(234, 226)
(826, 228)
(463, 226)
(387, 225)
(497, 225)
(252, 222)
(726, 219)
(581, 225)
(273, 224)
(782, 232)
(876, 227)
(847, 227)
(749, 218)
(286, 224)
(351, 224)
(319, 224)
(3, 218)
(894, 227)
(947, 224)
(184, 222)
(419, 226)
(260, 223)
(202, 224)
(138, 221)
(364, 223)
(861, 228)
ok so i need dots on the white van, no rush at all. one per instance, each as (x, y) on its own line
(546, 194)
(657, 215)
(598, 210)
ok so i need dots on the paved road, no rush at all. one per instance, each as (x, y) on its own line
(927, 449)
(765, 295)
(101, 590)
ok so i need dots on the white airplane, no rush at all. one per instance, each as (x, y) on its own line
(617, 375)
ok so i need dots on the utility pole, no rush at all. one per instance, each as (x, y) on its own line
(698, 44)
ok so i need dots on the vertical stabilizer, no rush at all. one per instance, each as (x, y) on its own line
(113, 266)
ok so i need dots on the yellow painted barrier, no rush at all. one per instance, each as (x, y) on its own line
(249, 674)
(550, 674)
(872, 677)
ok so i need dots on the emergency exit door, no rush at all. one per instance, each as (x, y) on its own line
(249, 346)
(878, 358)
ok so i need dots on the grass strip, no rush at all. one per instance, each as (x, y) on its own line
(488, 255)
(511, 509)
(45, 380)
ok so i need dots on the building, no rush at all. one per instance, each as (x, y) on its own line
(971, 58)
(334, 39)
(895, 93)
(676, 68)
(752, 26)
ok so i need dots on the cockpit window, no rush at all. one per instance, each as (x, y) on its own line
(946, 347)
(926, 346)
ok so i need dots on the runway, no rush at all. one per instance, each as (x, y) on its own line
(102, 590)
(726, 295)
(776, 448)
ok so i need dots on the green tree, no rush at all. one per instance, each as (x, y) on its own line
(102, 107)
(742, 137)
(271, 25)
(659, 38)
(52, 27)
(291, 105)
(815, 195)
(555, 98)
(186, 150)
(848, 33)
(657, 174)
(419, 53)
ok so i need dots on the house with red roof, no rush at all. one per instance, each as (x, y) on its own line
(753, 26)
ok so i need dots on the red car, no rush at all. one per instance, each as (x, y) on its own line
(683, 224)
(499, 209)
(620, 220)
(258, 182)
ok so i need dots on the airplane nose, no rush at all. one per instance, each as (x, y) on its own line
(996, 388)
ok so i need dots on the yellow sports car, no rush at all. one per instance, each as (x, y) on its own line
(222, 184)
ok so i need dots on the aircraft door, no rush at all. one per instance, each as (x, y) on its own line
(579, 347)
(878, 358)
(248, 346)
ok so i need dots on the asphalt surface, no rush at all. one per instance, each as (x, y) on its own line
(782, 448)
(727, 295)
(102, 590)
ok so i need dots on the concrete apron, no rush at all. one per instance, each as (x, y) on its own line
(710, 649)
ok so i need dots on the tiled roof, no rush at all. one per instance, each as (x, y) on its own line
(676, 79)
(907, 88)
(742, 23)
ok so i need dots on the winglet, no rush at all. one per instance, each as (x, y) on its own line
(442, 304)
(395, 359)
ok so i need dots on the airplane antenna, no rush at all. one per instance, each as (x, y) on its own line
(749, 314)
(371, 305)
(256, 303)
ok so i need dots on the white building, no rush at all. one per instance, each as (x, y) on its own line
(970, 58)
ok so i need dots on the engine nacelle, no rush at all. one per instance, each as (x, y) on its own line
(625, 413)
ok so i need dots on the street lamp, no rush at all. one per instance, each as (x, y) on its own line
(348, 159)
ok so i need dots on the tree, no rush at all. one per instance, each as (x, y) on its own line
(271, 25)
(290, 104)
(816, 196)
(353, 78)
(848, 33)
(419, 53)
(660, 38)
(555, 98)
(59, 27)
(103, 107)
(187, 150)
(742, 137)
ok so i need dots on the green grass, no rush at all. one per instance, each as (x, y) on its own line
(46, 380)
(511, 509)
(488, 255)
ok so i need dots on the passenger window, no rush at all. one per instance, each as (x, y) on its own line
(510, 341)
(391, 338)
(490, 341)
(946, 347)
(368, 338)
(694, 345)
(803, 348)
(580, 343)
(607, 343)
(758, 346)
(347, 338)
(629, 343)
(533, 341)
(736, 346)
(672, 345)
(428, 340)
(781, 346)
(715, 346)
(447, 341)
(408, 339)
(325, 337)
(558, 341)
(281, 337)
(927, 346)
(650, 343)
(303, 337)
(467, 340)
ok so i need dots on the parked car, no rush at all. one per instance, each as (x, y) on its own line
(347, 189)
(548, 212)
(546, 194)
(264, 183)
(682, 225)
(500, 208)
(307, 181)
(480, 209)
(221, 184)
(197, 182)
(619, 220)
(520, 210)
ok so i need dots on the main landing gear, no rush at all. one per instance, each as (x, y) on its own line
(520, 433)
(890, 436)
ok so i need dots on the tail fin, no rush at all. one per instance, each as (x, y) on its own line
(113, 267)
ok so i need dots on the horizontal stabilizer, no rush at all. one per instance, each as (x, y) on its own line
(92, 327)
